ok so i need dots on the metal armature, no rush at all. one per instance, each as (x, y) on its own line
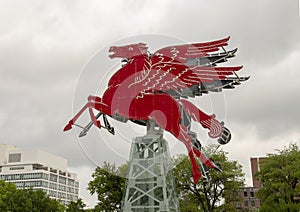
(150, 185)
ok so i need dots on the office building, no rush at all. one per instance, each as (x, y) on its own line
(38, 169)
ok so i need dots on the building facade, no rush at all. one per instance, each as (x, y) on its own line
(255, 167)
(249, 200)
(248, 194)
(38, 169)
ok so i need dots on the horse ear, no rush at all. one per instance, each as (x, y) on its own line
(142, 44)
(143, 48)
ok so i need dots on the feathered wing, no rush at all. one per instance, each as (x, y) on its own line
(179, 69)
(181, 53)
(179, 76)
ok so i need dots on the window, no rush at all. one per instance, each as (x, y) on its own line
(45, 176)
(32, 183)
(44, 184)
(14, 157)
(32, 176)
(15, 176)
(252, 194)
(52, 193)
(246, 203)
(70, 182)
(245, 193)
(19, 184)
(62, 180)
(53, 178)
(253, 203)
(52, 186)
(61, 195)
(61, 188)
(16, 168)
(70, 189)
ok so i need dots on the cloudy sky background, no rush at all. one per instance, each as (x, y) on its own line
(45, 49)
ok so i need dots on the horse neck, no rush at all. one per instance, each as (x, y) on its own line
(135, 64)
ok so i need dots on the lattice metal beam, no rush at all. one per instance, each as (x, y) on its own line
(150, 185)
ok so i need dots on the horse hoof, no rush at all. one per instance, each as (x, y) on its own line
(98, 124)
(68, 127)
(196, 176)
(225, 136)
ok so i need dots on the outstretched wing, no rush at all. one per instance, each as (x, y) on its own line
(189, 70)
(181, 53)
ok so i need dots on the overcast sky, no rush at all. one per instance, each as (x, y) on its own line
(46, 49)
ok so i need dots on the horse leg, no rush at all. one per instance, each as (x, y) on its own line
(192, 111)
(215, 127)
(206, 160)
(187, 140)
(170, 121)
(93, 102)
(73, 120)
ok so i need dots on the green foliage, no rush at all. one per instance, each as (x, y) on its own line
(26, 200)
(77, 206)
(201, 197)
(280, 176)
(109, 184)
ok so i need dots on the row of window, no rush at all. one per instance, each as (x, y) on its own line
(252, 203)
(63, 188)
(29, 176)
(249, 204)
(63, 180)
(30, 184)
(251, 194)
(17, 168)
(44, 184)
(61, 195)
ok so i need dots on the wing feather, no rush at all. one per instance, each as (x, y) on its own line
(181, 53)
(178, 76)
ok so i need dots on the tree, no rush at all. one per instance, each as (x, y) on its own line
(109, 184)
(77, 206)
(280, 176)
(220, 193)
(26, 200)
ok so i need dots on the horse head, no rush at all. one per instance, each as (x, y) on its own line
(128, 51)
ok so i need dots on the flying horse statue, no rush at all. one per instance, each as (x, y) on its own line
(156, 87)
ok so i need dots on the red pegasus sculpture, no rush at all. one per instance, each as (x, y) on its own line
(156, 87)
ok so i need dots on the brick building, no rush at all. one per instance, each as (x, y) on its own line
(249, 200)
(255, 167)
(248, 194)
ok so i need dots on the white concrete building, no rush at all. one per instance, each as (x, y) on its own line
(39, 170)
